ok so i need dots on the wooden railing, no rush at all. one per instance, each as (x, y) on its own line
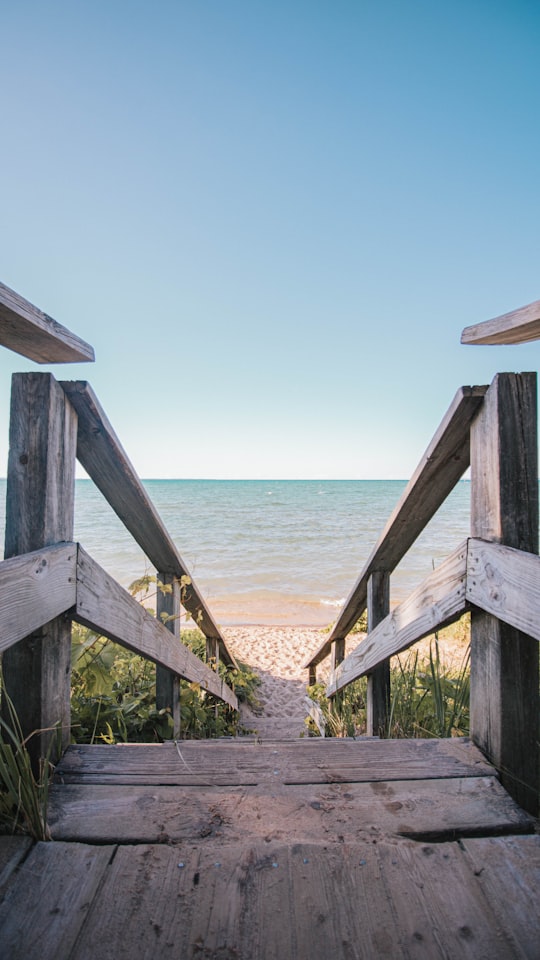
(47, 580)
(495, 574)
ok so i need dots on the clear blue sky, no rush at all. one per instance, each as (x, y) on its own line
(272, 219)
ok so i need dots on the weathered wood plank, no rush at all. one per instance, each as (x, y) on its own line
(364, 900)
(508, 871)
(438, 601)
(440, 908)
(13, 850)
(30, 332)
(315, 712)
(35, 588)
(104, 459)
(443, 464)
(47, 903)
(105, 606)
(504, 508)
(436, 809)
(505, 583)
(518, 326)
(167, 683)
(39, 513)
(237, 763)
(378, 686)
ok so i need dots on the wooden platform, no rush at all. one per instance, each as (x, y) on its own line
(301, 849)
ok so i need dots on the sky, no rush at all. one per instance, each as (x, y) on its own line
(272, 220)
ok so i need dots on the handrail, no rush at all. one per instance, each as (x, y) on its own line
(518, 326)
(104, 459)
(63, 579)
(442, 466)
(28, 331)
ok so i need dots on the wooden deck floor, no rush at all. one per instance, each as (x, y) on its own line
(308, 849)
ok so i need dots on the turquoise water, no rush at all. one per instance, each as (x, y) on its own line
(270, 551)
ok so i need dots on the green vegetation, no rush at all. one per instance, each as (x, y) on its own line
(429, 698)
(113, 695)
(23, 797)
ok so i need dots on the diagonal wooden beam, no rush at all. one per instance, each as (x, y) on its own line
(443, 464)
(34, 589)
(106, 607)
(106, 462)
(28, 331)
(518, 326)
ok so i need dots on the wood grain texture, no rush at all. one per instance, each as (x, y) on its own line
(34, 589)
(504, 508)
(167, 683)
(506, 584)
(40, 500)
(438, 601)
(45, 907)
(508, 871)
(13, 850)
(105, 606)
(423, 809)
(213, 763)
(30, 332)
(270, 901)
(104, 459)
(378, 684)
(518, 326)
(443, 464)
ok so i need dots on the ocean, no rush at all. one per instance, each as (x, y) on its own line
(270, 551)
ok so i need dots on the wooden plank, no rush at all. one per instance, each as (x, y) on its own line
(438, 601)
(440, 908)
(504, 508)
(102, 456)
(505, 583)
(39, 513)
(297, 813)
(378, 688)
(106, 607)
(13, 850)
(364, 900)
(46, 905)
(315, 712)
(518, 326)
(239, 763)
(32, 333)
(443, 464)
(35, 588)
(508, 871)
(167, 683)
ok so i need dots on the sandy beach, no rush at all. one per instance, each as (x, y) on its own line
(278, 654)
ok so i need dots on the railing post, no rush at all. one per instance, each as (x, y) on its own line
(504, 508)
(337, 656)
(378, 687)
(39, 512)
(167, 683)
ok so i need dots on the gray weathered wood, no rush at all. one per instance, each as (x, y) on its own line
(102, 456)
(438, 601)
(518, 326)
(105, 606)
(168, 612)
(505, 583)
(315, 712)
(46, 906)
(378, 689)
(39, 513)
(508, 871)
(13, 850)
(424, 809)
(30, 332)
(443, 464)
(504, 507)
(34, 589)
(234, 763)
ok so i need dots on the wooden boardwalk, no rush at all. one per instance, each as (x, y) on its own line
(296, 849)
